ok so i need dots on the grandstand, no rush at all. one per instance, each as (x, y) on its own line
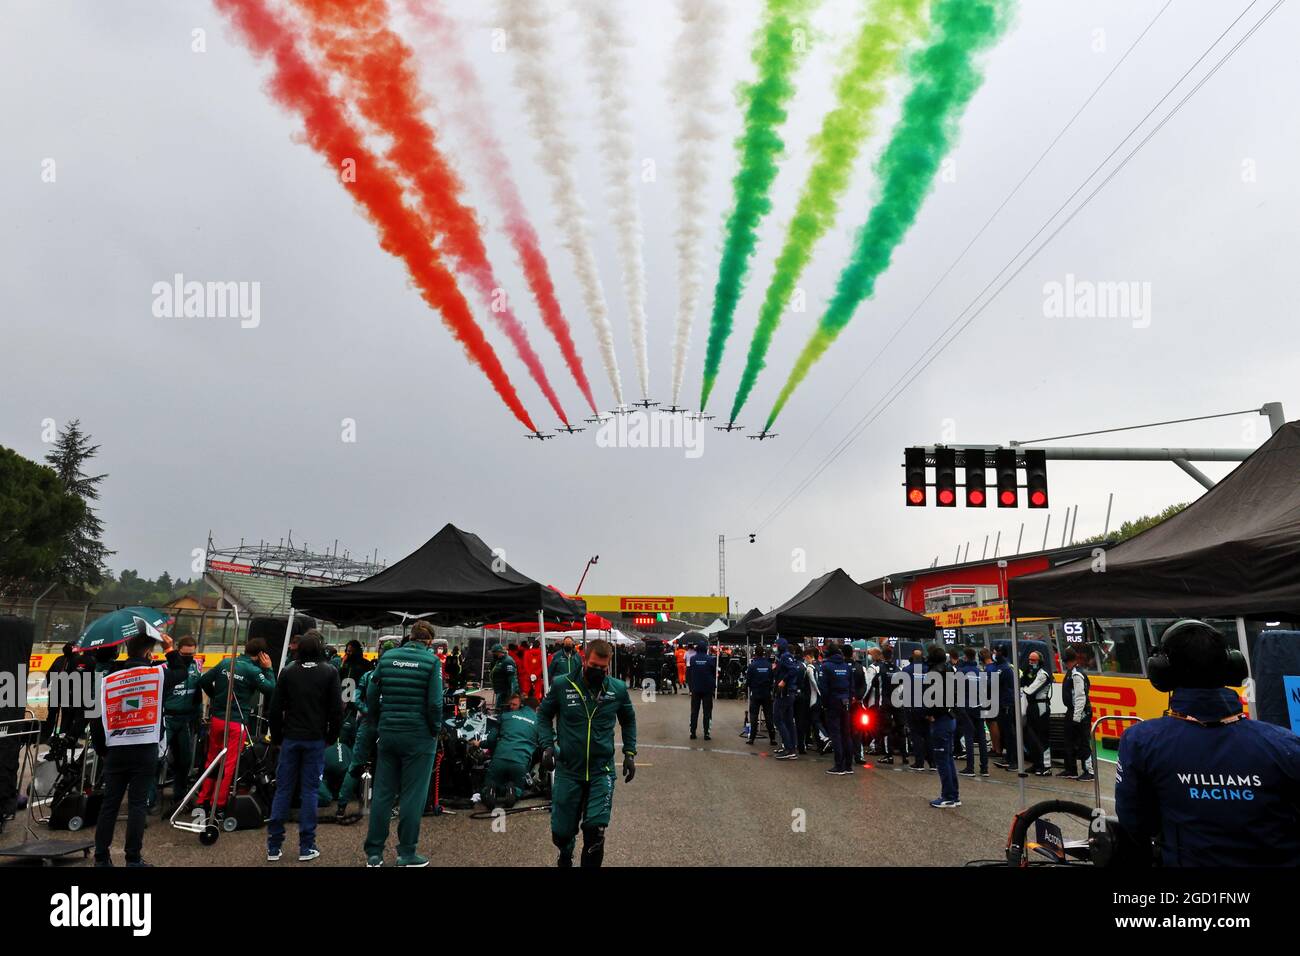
(259, 579)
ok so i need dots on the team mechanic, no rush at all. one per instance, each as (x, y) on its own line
(1213, 788)
(512, 741)
(581, 752)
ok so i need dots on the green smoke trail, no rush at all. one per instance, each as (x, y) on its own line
(944, 76)
(872, 59)
(779, 46)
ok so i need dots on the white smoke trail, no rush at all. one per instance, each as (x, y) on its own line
(607, 46)
(692, 81)
(534, 75)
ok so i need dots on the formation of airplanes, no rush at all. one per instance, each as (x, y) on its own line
(645, 403)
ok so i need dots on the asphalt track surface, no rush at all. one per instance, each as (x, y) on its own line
(696, 803)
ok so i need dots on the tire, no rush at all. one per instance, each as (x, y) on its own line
(75, 823)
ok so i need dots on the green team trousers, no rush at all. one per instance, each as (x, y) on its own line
(576, 803)
(403, 767)
(502, 773)
(365, 746)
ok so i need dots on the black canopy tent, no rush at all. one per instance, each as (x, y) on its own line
(1231, 553)
(740, 630)
(834, 605)
(453, 579)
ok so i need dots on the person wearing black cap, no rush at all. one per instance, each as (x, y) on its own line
(758, 683)
(130, 769)
(789, 674)
(1209, 786)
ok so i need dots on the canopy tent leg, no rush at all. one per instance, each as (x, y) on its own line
(541, 639)
(1020, 719)
(1244, 647)
(284, 648)
(748, 660)
(482, 661)
(717, 665)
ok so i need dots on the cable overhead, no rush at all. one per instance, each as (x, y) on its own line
(1129, 428)
(969, 245)
(877, 409)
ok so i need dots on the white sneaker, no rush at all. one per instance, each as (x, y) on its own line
(308, 855)
(273, 856)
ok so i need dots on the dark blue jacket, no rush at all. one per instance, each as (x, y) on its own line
(971, 672)
(759, 678)
(835, 679)
(940, 697)
(915, 688)
(1226, 795)
(1006, 682)
(702, 673)
(789, 669)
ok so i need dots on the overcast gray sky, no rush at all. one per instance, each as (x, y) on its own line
(173, 161)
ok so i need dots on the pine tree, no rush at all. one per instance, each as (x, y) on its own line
(83, 563)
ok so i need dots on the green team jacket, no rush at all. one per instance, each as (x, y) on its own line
(250, 680)
(512, 735)
(505, 678)
(363, 686)
(405, 693)
(584, 741)
(564, 665)
(182, 694)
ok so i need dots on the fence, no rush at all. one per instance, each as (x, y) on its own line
(62, 622)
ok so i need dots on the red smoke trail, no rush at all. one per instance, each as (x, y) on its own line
(379, 71)
(299, 88)
(471, 109)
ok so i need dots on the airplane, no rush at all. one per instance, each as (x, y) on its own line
(645, 403)
(596, 419)
(540, 436)
(701, 417)
(729, 427)
(763, 434)
(570, 430)
(620, 410)
(674, 410)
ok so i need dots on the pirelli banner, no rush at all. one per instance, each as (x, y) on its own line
(654, 604)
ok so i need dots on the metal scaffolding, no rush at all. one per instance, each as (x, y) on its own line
(288, 560)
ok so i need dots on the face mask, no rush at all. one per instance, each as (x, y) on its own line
(593, 676)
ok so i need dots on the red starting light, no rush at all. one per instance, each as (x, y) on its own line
(916, 496)
(865, 719)
(1037, 498)
(1009, 499)
(946, 496)
(975, 497)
